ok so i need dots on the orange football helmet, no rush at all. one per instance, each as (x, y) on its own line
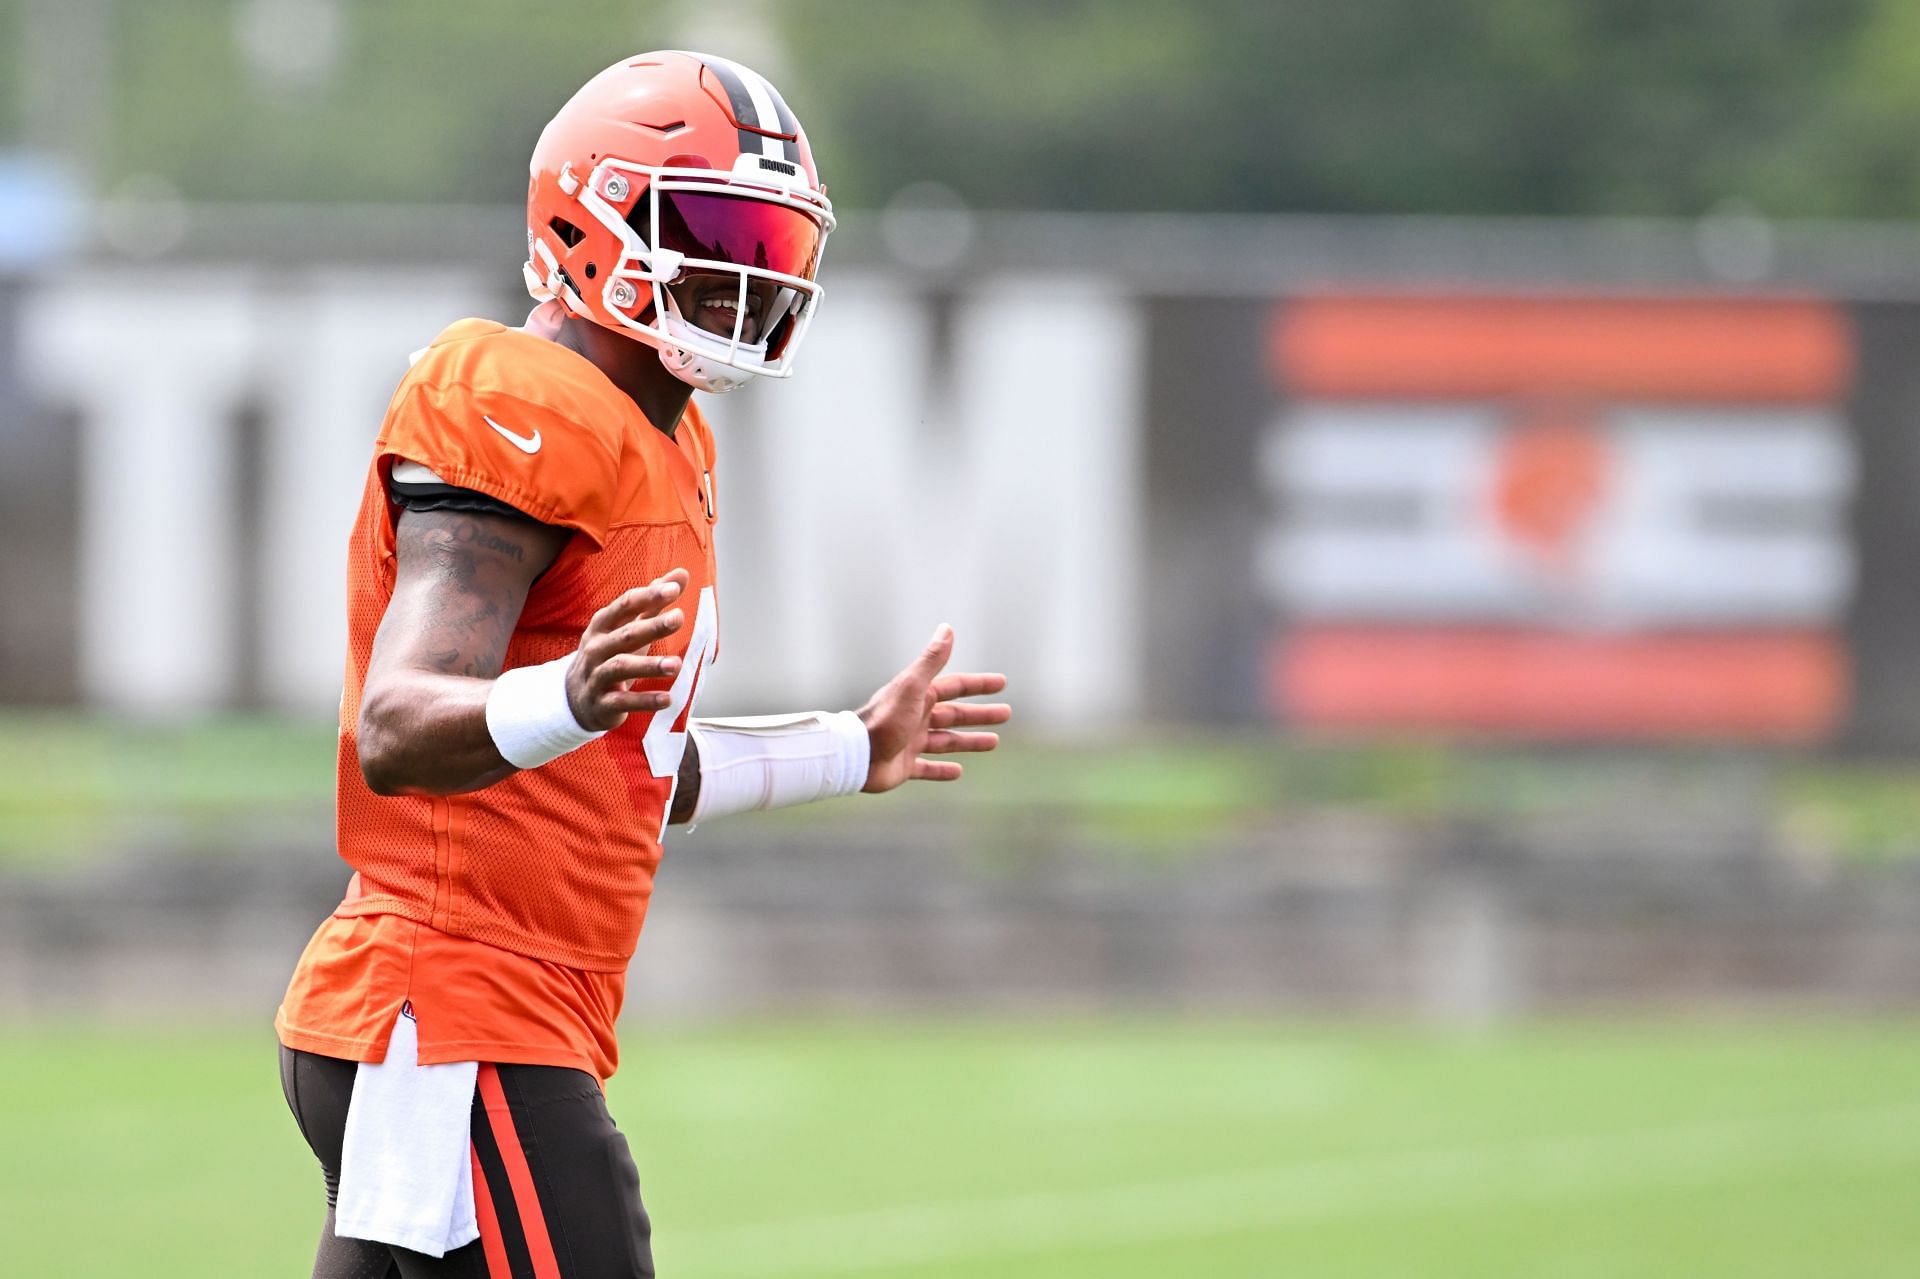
(672, 164)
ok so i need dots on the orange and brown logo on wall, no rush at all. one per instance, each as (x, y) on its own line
(1560, 516)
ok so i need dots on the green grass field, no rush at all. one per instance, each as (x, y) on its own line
(1095, 1148)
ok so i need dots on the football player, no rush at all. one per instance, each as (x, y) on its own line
(531, 615)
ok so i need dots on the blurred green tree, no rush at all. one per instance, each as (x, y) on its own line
(429, 100)
(1796, 107)
(1401, 106)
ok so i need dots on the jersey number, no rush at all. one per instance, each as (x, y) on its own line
(666, 737)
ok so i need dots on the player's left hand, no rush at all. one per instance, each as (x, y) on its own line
(914, 715)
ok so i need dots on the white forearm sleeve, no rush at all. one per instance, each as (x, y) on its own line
(771, 761)
(529, 717)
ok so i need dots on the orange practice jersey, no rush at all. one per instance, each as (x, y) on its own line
(507, 915)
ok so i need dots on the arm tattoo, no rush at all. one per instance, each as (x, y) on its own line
(471, 570)
(686, 791)
(469, 533)
(460, 581)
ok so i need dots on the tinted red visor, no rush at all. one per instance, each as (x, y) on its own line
(740, 230)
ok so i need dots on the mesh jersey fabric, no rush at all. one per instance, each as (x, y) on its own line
(550, 870)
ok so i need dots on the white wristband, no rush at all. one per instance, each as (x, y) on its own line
(529, 717)
(772, 761)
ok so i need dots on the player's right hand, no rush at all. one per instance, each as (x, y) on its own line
(613, 654)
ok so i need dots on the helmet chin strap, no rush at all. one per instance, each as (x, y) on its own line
(716, 377)
(700, 375)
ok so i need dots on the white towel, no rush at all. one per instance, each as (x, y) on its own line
(406, 1177)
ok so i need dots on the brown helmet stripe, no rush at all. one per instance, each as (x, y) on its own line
(758, 109)
(744, 112)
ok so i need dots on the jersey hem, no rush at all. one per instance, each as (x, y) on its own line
(498, 1052)
(315, 1041)
(381, 904)
(507, 1054)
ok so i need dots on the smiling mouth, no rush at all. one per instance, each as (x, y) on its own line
(716, 312)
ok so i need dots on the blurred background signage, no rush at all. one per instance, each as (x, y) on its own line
(1569, 516)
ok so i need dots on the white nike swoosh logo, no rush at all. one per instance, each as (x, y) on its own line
(525, 443)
